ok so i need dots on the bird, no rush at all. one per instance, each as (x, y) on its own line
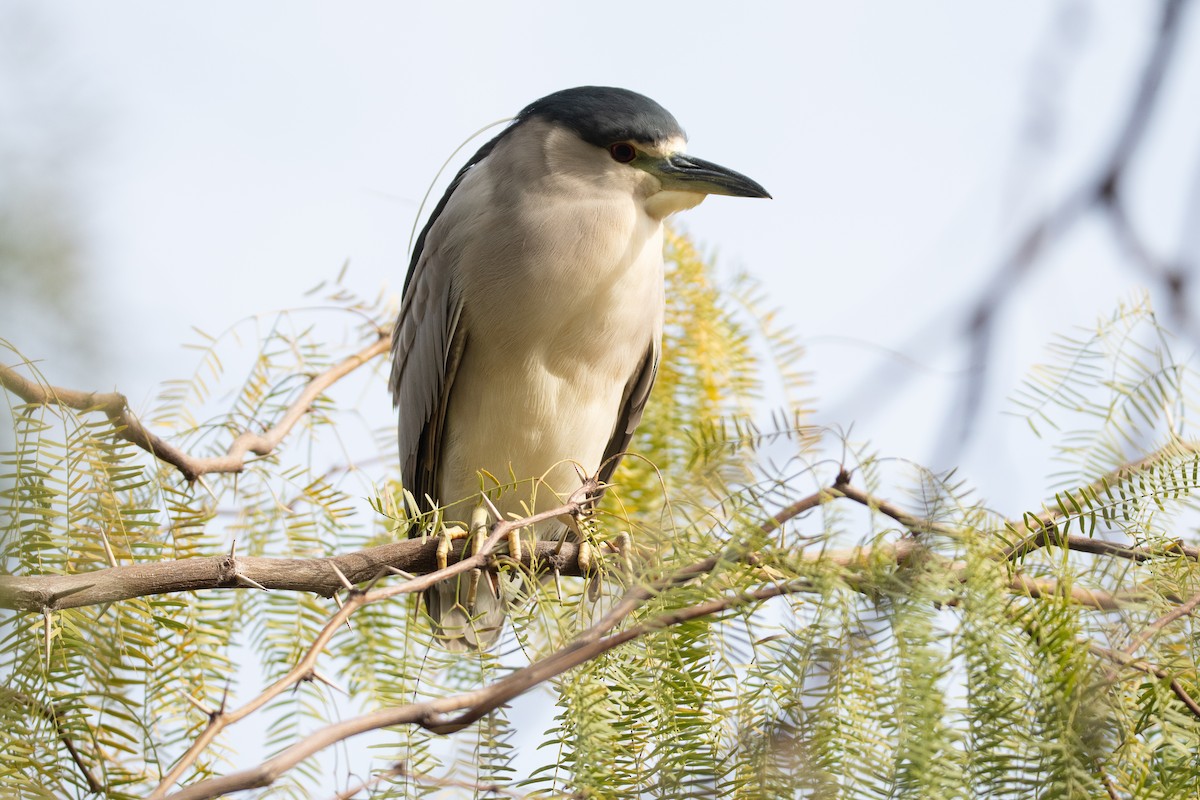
(531, 319)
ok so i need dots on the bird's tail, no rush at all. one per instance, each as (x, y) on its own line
(460, 624)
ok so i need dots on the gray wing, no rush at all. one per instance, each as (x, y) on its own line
(427, 346)
(633, 402)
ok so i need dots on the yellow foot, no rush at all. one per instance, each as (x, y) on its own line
(479, 528)
(590, 566)
(622, 545)
(445, 542)
(592, 558)
(514, 544)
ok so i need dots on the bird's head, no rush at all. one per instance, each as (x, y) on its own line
(622, 137)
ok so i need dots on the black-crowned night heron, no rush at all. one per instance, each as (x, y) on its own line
(528, 337)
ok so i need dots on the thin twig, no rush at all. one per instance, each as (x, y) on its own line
(304, 667)
(477, 789)
(128, 427)
(910, 521)
(1126, 660)
(50, 714)
(432, 714)
(370, 783)
(1155, 627)
(1039, 530)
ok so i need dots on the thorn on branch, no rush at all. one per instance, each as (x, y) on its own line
(203, 709)
(315, 676)
(250, 583)
(54, 597)
(346, 584)
(491, 507)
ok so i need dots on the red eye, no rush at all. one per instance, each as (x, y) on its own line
(623, 152)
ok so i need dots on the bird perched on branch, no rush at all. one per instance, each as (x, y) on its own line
(529, 332)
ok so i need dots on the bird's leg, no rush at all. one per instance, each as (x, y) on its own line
(446, 537)
(572, 525)
(591, 560)
(479, 527)
(589, 567)
(514, 544)
(622, 544)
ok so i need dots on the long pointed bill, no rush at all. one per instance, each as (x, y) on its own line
(683, 173)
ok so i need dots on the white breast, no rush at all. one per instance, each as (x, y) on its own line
(559, 312)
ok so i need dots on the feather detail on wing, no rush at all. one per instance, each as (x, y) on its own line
(633, 403)
(427, 346)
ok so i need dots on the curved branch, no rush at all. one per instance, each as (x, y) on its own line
(304, 669)
(1127, 660)
(433, 714)
(1156, 627)
(50, 714)
(129, 428)
(1041, 530)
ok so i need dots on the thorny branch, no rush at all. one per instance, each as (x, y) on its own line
(220, 719)
(1040, 530)
(128, 427)
(438, 715)
(417, 556)
(452, 713)
(327, 576)
(317, 575)
(434, 714)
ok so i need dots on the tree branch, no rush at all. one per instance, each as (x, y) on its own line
(912, 522)
(326, 576)
(316, 575)
(303, 670)
(475, 704)
(1126, 660)
(436, 715)
(1155, 627)
(129, 428)
(1040, 530)
(417, 556)
(432, 714)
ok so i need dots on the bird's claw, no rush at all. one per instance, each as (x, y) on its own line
(446, 539)
(479, 527)
(514, 545)
(586, 557)
(622, 545)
